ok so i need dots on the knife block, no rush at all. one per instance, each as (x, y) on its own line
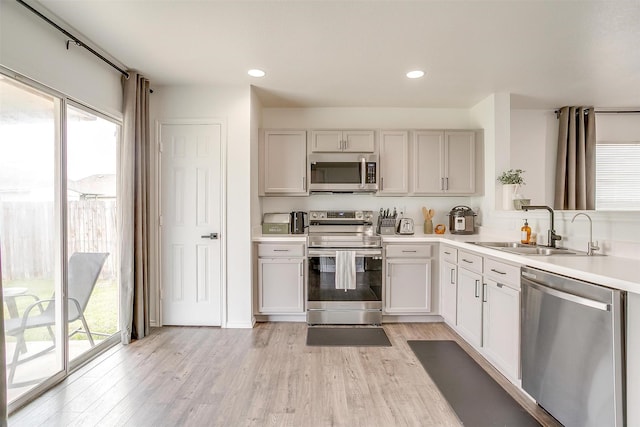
(386, 226)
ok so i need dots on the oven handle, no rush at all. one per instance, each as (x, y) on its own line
(332, 252)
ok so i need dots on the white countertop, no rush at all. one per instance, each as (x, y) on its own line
(614, 272)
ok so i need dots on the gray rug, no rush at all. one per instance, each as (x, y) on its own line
(350, 337)
(474, 396)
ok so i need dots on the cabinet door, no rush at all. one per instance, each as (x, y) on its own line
(358, 141)
(280, 285)
(326, 141)
(394, 163)
(428, 152)
(470, 306)
(284, 162)
(460, 162)
(448, 292)
(408, 286)
(501, 327)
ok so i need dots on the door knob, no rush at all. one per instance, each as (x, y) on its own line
(212, 236)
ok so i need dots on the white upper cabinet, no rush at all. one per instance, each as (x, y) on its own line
(283, 162)
(394, 162)
(444, 162)
(348, 141)
(428, 152)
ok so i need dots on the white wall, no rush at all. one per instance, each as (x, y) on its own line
(33, 48)
(365, 118)
(534, 135)
(234, 106)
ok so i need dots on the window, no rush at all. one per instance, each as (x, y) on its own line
(618, 176)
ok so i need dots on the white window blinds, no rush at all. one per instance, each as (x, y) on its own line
(618, 175)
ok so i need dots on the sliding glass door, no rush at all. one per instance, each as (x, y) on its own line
(92, 242)
(58, 235)
(30, 235)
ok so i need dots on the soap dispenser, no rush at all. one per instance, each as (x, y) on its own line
(525, 233)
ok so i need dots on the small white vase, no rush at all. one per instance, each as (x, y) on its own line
(508, 191)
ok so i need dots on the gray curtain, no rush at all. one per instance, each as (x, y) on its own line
(3, 370)
(133, 186)
(576, 162)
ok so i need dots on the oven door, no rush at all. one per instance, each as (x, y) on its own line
(328, 305)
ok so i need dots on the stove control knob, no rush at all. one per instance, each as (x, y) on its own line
(323, 214)
(314, 214)
(358, 215)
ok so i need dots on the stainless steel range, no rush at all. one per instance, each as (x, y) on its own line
(344, 269)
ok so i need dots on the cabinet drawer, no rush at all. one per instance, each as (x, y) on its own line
(409, 251)
(449, 254)
(506, 274)
(280, 250)
(470, 261)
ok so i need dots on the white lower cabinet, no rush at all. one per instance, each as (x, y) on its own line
(469, 318)
(501, 327)
(280, 279)
(487, 310)
(408, 279)
(448, 284)
(501, 316)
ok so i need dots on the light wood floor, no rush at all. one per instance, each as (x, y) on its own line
(190, 376)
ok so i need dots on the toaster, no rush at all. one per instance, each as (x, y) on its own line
(405, 226)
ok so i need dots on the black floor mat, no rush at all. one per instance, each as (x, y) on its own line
(354, 337)
(474, 396)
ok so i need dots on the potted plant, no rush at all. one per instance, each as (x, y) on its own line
(511, 181)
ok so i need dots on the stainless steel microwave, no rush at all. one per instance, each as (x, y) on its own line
(343, 172)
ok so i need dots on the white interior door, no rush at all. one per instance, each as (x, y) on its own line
(191, 209)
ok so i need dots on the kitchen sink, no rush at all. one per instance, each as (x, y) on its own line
(524, 249)
(537, 250)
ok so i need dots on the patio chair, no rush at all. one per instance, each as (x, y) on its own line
(83, 272)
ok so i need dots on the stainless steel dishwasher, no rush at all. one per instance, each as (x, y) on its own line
(573, 348)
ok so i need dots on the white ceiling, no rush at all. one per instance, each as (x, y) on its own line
(356, 53)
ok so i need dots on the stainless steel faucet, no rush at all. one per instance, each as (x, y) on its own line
(591, 246)
(552, 237)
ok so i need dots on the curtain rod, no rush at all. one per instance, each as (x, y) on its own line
(605, 112)
(73, 38)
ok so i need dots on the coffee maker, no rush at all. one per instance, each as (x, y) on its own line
(298, 221)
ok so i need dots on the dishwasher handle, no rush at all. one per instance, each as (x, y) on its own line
(568, 297)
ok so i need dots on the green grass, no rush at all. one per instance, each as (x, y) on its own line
(101, 312)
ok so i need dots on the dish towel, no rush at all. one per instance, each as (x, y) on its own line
(345, 270)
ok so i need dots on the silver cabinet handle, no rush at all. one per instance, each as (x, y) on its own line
(281, 250)
(453, 280)
(484, 292)
(442, 183)
(408, 252)
(496, 271)
(467, 261)
(212, 236)
(476, 293)
(446, 180)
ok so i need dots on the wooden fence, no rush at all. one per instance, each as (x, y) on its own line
(28, 236)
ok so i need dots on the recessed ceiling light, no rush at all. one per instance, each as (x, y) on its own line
(256, 73)
(415, 74)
